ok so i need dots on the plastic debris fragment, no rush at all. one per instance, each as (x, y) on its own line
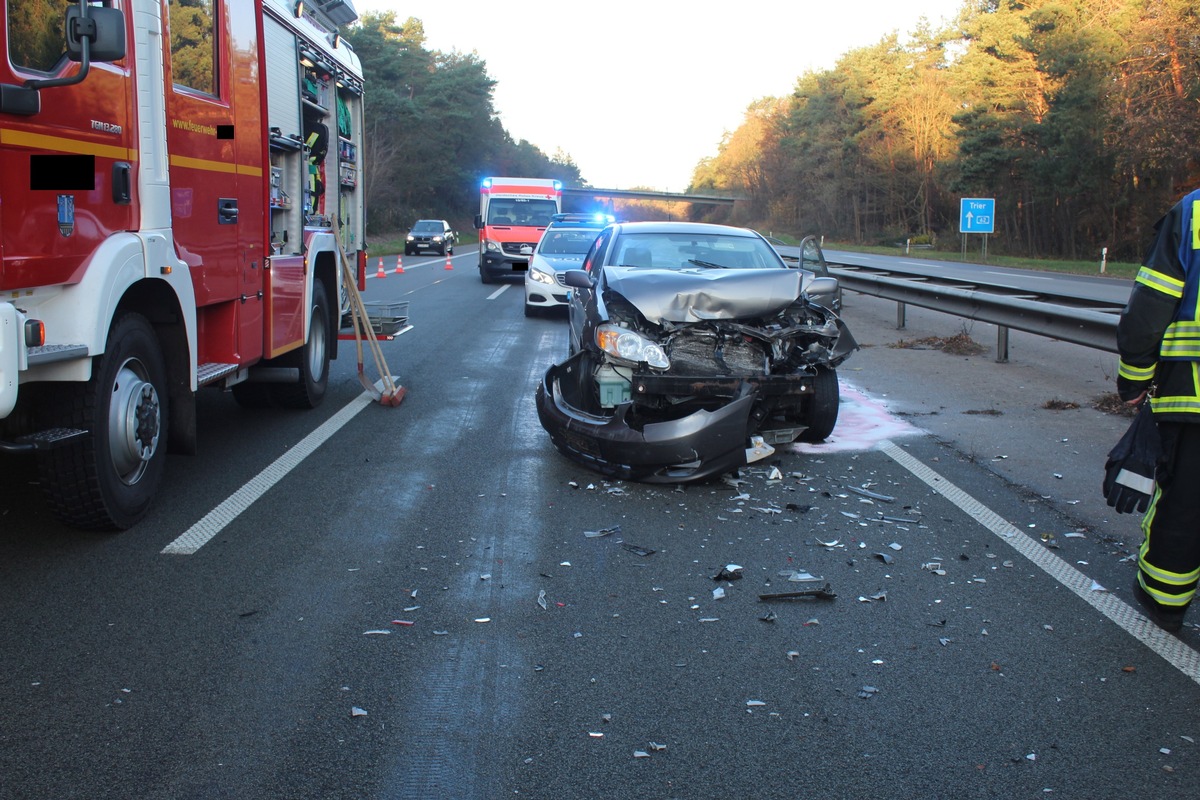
(885, 558)
(710, 619)
(640, 754)
(602, 532)
(944, 641)
(596, 734)
(377, 633)
(656, 747)
(485, 576)
(408, 623)
(896, 546)
(824, 592)
(792, 655)
(798, 576)
(641, 551)
(441, 633)
(770, 616)
(483, 619)
(754, 703)
(1096, 587)
(541, 601)
(867, 692)
(355, 711)
(873, 495)
(718, 593)
(834, 543)
(811, 622)
(774, 474)
(729, 572)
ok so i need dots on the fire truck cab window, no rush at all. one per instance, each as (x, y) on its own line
(193, 45)
(35, 34)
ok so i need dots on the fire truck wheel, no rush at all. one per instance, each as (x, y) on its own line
(312, 359)
(106, 481)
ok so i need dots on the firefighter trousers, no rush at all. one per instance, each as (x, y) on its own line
(1169, 558)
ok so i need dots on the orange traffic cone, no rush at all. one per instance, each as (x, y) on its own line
(399, 265)
(380, 273)
(448, 265)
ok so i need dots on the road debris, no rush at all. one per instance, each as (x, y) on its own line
(885, 558)
(377, 633)
(873, 495)
(641, 551)
(867, 692)
(770, 616)
(355, 711)
(541, 601)
(602, 532)
(824, 592)
(729, 572)
(718, 593)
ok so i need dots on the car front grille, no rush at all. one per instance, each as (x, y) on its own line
(514, 248)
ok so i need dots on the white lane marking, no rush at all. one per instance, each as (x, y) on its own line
(215, 521)
(1172, 649)
(499, 291)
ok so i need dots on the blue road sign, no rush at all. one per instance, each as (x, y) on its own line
(977, 215)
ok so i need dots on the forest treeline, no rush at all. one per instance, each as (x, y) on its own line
(1080, 117)
(432, 131)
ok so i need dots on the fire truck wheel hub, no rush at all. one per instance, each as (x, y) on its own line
(133, 422)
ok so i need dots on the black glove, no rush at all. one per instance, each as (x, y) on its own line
(1129, 471)
(1126, 490)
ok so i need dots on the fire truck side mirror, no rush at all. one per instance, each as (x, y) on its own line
(104, 30)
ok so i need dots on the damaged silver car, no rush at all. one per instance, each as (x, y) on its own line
(693, 349)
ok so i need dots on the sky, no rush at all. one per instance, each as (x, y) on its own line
(638, 93)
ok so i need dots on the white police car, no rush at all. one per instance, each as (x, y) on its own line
(562, 247)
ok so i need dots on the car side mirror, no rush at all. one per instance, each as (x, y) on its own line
(822, 287)
(577, 279)
(479, 222)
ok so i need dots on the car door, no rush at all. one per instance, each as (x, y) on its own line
(581, 302)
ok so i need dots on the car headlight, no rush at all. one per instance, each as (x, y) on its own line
(630, 346)
(490, 246)
(537, 272)
(437, 238)
(409, 238)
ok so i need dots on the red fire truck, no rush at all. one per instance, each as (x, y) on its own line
(513, 215)
(174, 179)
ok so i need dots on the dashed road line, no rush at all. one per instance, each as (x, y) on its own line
(215, 521)
(1172, 649)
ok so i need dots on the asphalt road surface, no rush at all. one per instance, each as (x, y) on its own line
(372, 602)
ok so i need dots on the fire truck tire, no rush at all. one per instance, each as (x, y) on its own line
(312, 359)
(821, 410)
(107, 480)
(483, 274)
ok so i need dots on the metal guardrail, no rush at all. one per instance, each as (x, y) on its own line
(1023, 312)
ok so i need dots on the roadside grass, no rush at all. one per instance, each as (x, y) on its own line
(392, 242)
(1113, 269)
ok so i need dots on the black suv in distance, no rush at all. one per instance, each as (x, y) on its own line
(430, 234)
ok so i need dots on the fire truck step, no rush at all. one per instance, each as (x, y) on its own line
(49, 353)
(212, 372)
(51, 437)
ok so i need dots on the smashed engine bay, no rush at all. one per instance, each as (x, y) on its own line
(749, 354)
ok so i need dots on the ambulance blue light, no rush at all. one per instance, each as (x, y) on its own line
(487, 183)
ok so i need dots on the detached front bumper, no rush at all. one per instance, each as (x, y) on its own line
(692, 448)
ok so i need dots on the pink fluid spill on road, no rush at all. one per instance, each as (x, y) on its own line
(863, 422)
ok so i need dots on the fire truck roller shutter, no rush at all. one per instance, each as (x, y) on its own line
(283, 76)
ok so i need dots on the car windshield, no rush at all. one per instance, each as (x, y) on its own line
(567, 242)
(427, 226)
(520, 211)
(689, 250)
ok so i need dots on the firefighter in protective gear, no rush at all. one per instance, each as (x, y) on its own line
(1159, 342)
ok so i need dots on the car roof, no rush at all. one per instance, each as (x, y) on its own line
(701, 228)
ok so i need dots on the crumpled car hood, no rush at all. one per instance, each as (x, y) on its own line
(705, 294)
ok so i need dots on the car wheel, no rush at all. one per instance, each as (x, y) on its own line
(483, 275)
(107, 480)
(408, 251)
(532, 311)
(821, 412)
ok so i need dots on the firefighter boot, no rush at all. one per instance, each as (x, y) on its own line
(1168, 618)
